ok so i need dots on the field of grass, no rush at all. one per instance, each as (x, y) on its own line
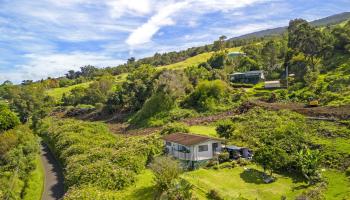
(195, 60)
(204, 130)
(57, 93)
(338, 185)
(232, 183)
(339, 144)
(35, 184)
(143, 189)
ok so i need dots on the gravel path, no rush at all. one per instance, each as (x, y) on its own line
(53, 185)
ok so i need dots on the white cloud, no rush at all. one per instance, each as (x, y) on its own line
(166, 15)
(120, 7)
(144, 33)
(56, 64)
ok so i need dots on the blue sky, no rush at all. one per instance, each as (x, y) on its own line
(42, 38)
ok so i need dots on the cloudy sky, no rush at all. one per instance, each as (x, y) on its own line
(41, 38)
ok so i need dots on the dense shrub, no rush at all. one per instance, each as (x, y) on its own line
(209, 96)
(89, 193)
(227, 165)
(166, 170)
(159, 102)
(214, 195)
(217, 61)
(224, 157)
(174, 128)
(93, 157)
(212, 163)
(8, 119)
(18, 151)
(225, 129)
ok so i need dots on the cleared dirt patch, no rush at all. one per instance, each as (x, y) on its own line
(341, 112)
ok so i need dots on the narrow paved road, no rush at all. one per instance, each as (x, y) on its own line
(53, 185)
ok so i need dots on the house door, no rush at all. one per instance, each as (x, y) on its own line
(215, 147)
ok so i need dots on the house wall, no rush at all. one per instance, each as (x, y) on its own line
(205, 155)
(194, 153)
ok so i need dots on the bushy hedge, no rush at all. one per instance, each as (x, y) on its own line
(18, 151)
(93, 157)
(8, 119)
(209, 96)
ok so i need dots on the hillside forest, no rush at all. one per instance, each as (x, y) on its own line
(105, 126)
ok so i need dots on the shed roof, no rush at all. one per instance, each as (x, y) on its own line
(188, 139)
(250, 73)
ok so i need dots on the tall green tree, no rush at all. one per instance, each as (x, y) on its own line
(30, 102)
(306, 39)
(342, 37)
(166, 170)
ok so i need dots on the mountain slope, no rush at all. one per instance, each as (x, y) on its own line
(333, 19)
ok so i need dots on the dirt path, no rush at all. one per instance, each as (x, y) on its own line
(53, 185)
(329, 112)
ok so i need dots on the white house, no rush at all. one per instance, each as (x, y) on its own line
(272, 84)
(191, 147)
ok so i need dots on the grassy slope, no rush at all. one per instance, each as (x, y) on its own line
(338, 185)
(57, 93)
(35, 184)
(231, 183)
(143, 189)
(195, 60)
(204, 130)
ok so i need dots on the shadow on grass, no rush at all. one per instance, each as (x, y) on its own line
(253, 176)
(143, 193)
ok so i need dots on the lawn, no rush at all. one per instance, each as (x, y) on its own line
(339, 144)
(57, 93)
(338, 185)
(35, 183)
(143, 189)
(195, 60)
(204, 130)
(232, 183)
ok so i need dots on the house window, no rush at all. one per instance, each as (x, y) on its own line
(202, 148)
(168, 143)
(183, 149)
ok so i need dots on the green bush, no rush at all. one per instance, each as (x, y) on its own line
(212, 163)
(209, 96)
(157, 103)
(174, 128)
(227, 165)
(92, 156)
(8, 120)
(242, 162)
(225, 129)
(18, 151)
(347, 172)
(214, 195)
(89, 193)
(224, 157)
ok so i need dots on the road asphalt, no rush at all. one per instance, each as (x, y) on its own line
(53, 185)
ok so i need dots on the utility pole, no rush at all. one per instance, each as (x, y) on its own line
(287, 75)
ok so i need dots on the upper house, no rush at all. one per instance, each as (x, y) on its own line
(250, 77)
(190, 147)
(235, 54)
